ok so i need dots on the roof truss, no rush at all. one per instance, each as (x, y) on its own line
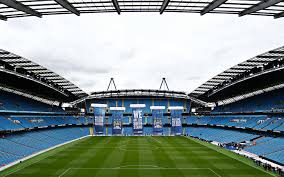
(211, 6)
(116, 6)
(2, 17)
(279, 15)
(164, 6)
(65, 4)
(21, 7)
(39, 73)
(230, 76)
(260, 6)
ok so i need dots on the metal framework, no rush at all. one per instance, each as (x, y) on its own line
(111, 82)
(38, 73)
(165, 84)
(138, 93)
(242, 71)
(39, 8)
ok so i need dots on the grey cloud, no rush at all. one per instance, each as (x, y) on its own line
(72, 65)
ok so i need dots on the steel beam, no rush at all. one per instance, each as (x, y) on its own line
(276, 51)
(35, 69)
(116, 6)
(164, 6)
(45, 72)
(4, 53)
(211, 6)
(206, 87)
(60, 81)
(279, 15)
(21, 7)
(250, 64)
(258, 61)
(16, 61)
(214, 82)
(65, 4)
(260, 6)
(266, 56)
(2, 17)
(9, 58)
(240, 69)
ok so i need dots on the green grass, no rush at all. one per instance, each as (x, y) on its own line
(137, 156)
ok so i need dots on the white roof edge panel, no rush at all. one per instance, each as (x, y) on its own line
(98, 105)
(157, 107)
(137, 105)
(175, 107)
(117, 108)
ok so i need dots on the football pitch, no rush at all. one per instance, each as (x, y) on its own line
(137, 156)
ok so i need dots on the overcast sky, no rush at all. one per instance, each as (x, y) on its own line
(138, 49)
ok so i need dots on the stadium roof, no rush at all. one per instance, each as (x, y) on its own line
(269, 62)
(39, 8)
(22, 67)
(140, 93)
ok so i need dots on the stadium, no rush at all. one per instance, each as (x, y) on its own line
(232, 125)
(124, 128)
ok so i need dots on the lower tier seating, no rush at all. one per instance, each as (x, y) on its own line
(17, 146)
(220, 135)
(265, 146)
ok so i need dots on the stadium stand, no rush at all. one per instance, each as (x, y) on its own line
(15, 103)
(28, 143)
(256, 143)
(266, 102)
(220, 135)
(256, 122)
(16, 122)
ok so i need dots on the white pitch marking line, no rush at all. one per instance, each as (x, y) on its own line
(145, 168)
(156, 140)
(64, 172)
(214, 172)
(50, 155)
(133, 149)
(137, 166)
(19, 169)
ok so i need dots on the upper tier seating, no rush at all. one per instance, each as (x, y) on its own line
(257, 122)
(266, 102)
(23, 122)
(13, 102)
